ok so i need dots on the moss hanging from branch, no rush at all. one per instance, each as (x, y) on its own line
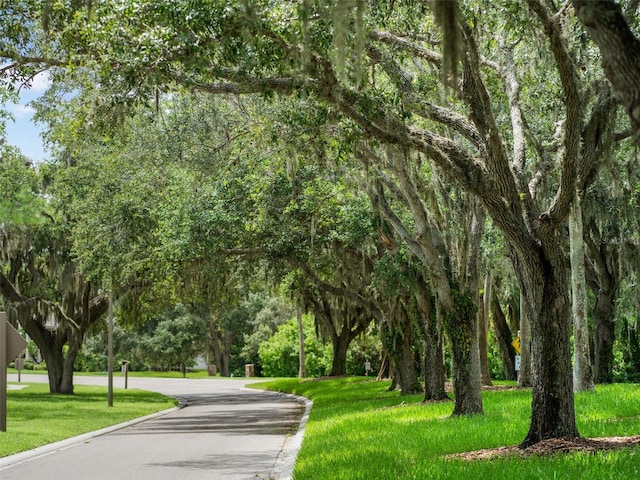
(348, 16)
(446, 14)
(341, 19)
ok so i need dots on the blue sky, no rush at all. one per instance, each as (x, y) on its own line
(22, 132)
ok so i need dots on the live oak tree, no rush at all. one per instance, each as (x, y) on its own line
(611, 239)
(605, 243)
(178, 339)
(109, 221)
(409, 314)
(447, 246)
(609, 28)
(43, 289)
(317, 224)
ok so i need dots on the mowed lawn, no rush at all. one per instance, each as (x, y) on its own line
(35, 417)
(358, 430)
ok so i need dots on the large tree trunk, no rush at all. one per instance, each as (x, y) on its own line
(406, 367)
(483, 331)
(462, 328)
(399, 345)
(74, 346)
(582, 371)
(221, 344)
(302, 367)
(603, 281)
(524, 376)
(398, 337)
(604, 333)
(51, 344)
(340, 344)
(543, 278)
(59, 366)
(54, 359)
(434, 373)
(632, 358)
(503, 339)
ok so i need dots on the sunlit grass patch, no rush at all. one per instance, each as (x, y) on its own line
(359, 430)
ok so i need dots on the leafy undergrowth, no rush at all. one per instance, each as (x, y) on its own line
(35, 417)
(358, 430)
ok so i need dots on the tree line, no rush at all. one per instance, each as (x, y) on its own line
(379, 161)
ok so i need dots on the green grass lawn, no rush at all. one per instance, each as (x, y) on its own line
(358, 430)
(118, 373)
(35, 417)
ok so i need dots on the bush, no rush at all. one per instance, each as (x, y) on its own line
(29, 365)
(496, 369)
(365, 347)
(279, 354)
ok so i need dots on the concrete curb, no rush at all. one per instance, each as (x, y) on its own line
(286, 459)
(22, 457)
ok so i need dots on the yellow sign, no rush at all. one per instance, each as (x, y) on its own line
(516, 344)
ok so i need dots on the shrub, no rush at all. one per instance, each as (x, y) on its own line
(279, 354)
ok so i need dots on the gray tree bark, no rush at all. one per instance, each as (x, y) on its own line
(483, 330)
(524, 376)
(602, 278)
(582, 370)
(503, 339)
(620, 51)
(434, 372)
(302, 370)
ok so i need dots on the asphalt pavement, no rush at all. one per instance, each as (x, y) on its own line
(224, 431)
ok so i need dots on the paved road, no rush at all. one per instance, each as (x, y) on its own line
(226, 432)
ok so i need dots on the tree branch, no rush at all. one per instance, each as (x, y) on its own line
(402, 43)
(597, 138)
(9, 291)
(561, 204)
(413, 102)
(243, 84)
(338, 291)
(620, 50)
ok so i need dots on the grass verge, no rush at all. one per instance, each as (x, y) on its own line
(358, 430)
(117, 373)
(36, 417)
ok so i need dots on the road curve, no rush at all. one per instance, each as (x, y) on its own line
(225, 432)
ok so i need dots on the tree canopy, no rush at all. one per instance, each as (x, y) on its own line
(507, 115)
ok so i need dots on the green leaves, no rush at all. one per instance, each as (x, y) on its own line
(20, 199)
(178, 338)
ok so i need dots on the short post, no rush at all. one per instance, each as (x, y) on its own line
(19, 363)
(125, 372)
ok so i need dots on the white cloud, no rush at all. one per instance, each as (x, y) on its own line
(40, 82)
(21, 111)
